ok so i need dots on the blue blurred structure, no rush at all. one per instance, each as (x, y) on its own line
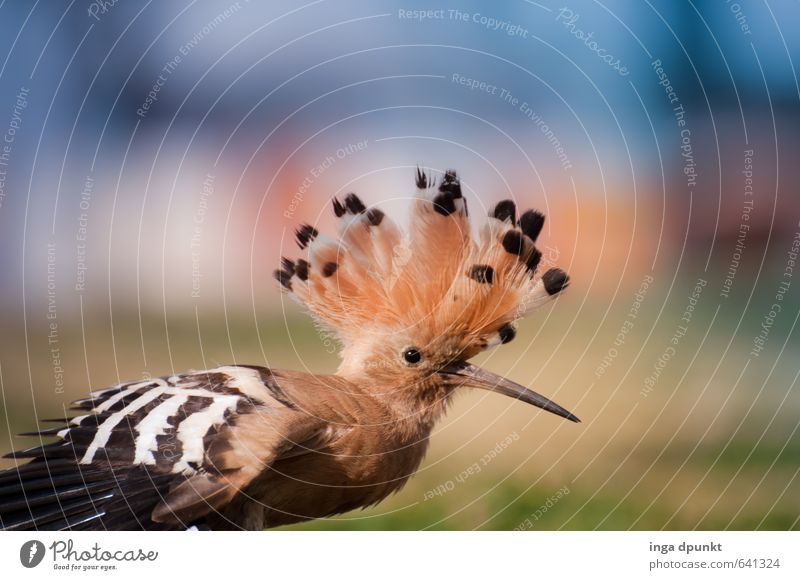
(138, 99)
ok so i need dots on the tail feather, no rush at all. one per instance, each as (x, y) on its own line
(30, 471)
(53, 515)
(30, 500)
(63, 495)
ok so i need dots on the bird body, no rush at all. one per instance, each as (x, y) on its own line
(247, 447)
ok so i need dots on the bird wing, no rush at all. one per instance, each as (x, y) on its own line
(158, 453)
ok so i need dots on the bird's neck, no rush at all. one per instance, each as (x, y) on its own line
(417, 407)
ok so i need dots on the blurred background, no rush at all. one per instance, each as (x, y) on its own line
(155, 158)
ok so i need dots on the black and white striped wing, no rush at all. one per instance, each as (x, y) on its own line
(154, 454)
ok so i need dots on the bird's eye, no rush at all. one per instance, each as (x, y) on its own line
(412, 355)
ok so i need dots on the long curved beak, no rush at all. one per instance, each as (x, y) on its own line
(478, 378)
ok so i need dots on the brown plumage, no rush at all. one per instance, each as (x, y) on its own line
(249, 447)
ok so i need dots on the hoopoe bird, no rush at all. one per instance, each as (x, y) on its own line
(247, 447)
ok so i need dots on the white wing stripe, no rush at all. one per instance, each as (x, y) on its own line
(77, 420)
(105, 428)
(246, 381)
(192, 430)
(126, 391)
(153, 425)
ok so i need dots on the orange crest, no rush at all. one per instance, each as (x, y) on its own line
(376, 279)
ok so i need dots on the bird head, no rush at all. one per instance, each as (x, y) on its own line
(412, 308)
